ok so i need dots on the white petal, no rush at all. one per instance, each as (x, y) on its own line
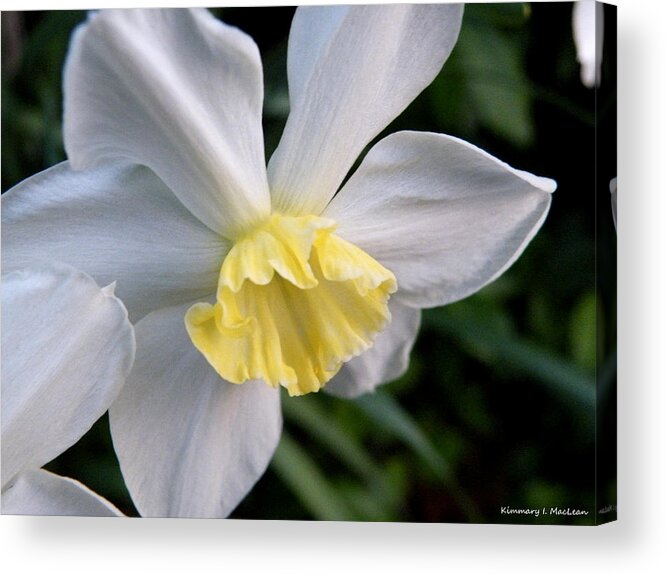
(40, 492)
(385, 361)
(189, 443)
(352, 69)
(117, 224)
(444, 216)
(180, 92)
(613, 191)
(66, 349)
(588, 31)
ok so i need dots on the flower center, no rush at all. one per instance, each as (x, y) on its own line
(294, 302)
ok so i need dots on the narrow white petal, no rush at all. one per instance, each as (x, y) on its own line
(613, 191)
(117, 224)
(189, 443)
(588, 31)
(40, 492)
(180, 92)
(444, 216)
(67, 347)
(385, 361)
(352, 69)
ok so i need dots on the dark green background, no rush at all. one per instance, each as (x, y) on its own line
(499, 406)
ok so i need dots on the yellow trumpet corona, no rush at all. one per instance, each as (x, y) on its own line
(294, 302)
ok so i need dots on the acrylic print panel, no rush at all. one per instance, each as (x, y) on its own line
(356, 265)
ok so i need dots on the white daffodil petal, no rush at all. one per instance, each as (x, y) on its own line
(613, 191)
(588, 32)
(66, 348)
(40, 492)
(352, 69)
(385, 361)
(444, 216)
(189, 443)
(178, 91)
(117, 224)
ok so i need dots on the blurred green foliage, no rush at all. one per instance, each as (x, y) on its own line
(498, 406)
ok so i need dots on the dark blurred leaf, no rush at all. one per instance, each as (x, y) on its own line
(480, 334)
(583, 331)
(484, 83)
(46, 46)
(506, 16)
(308, 482)
(32, 98)
(338, 440)
(389, 417)
(392, 419)
(496, 82)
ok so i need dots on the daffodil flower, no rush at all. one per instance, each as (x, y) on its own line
(245, 277)
(67, 347)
